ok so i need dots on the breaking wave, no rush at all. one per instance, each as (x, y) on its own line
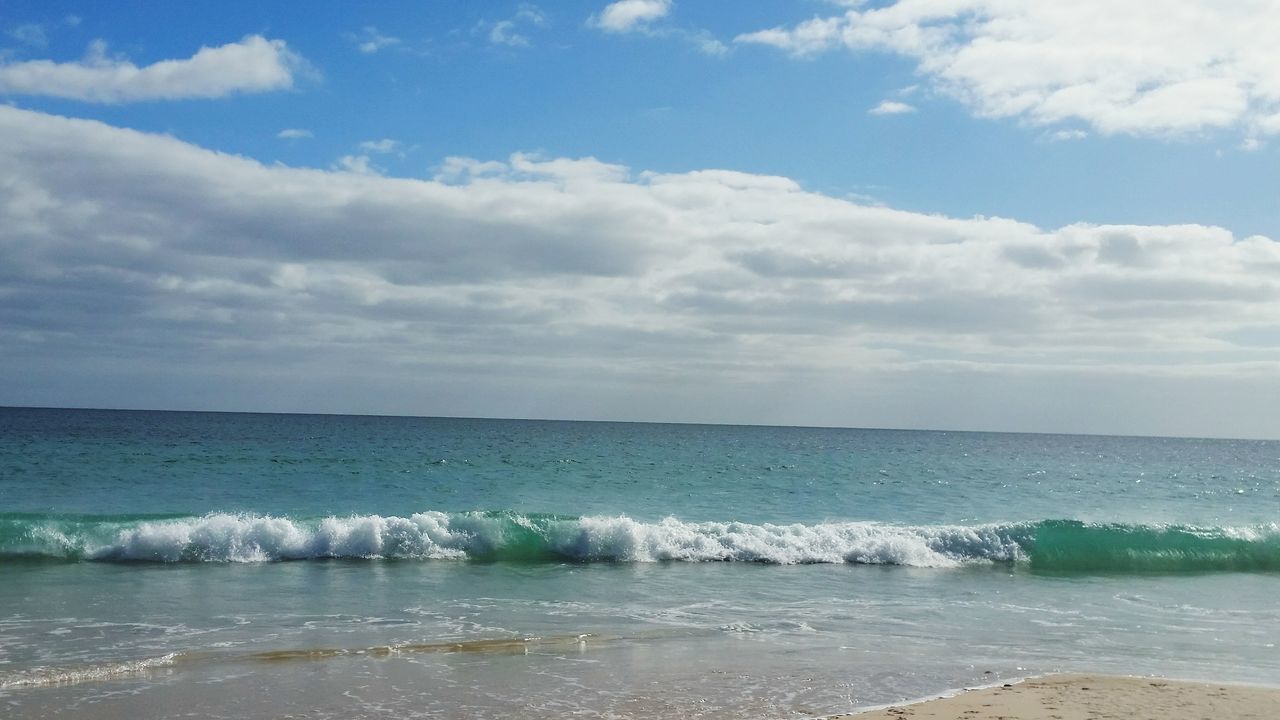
(1047, 545)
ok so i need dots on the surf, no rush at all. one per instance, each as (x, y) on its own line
(486, 536)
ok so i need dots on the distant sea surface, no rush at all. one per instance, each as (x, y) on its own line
(163, 564)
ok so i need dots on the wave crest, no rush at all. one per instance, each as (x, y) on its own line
(1048, 545)
(226, 537)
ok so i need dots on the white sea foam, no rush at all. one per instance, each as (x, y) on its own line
(622, 538)
(223, 537)
(49, 677)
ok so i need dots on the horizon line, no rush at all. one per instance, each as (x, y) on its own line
(635, 422)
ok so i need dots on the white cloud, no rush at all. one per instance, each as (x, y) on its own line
(511, 31)
(641, 16)
(30, 34)
(891, 107)
(807, 38)
(294, 134)
(630, 15)
(383, 146)
(541, 280)
(370, 41)
(1139, 68)
(705, 43)
(462, 169)
(255, 64)
(358, 164)
(1267, 124)
(1063, 135)
(504, 32)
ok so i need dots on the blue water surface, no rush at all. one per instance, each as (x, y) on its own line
(91, 461)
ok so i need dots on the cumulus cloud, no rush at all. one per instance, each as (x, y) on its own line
(294, 134)
(1138, 68)
(254, 64)
(574, 284)
(630, 15)
(891, 107)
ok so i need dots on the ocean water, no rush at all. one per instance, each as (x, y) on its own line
(207, 565)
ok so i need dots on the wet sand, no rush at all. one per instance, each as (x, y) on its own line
(1093, 697)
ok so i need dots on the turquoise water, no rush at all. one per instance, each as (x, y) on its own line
(154, 564)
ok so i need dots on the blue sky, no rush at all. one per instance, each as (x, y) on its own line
(443, 87)
(985, 216)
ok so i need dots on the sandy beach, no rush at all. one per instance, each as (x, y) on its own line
(1093, 697)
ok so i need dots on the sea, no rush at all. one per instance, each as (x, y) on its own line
(227, 565)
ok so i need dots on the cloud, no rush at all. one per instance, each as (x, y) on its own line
(891, 107)
(641, 16)
(503, 33)
(383, 146)
(1138, 68)
(294, 134)
(370, 41)
(1062, 135)
(508, 32)
(255, 64)
(630, 15)
(536, 285)
(704, 42)
(358, 164)
(29, 34)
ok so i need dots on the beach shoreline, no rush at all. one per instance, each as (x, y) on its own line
(1087, 697)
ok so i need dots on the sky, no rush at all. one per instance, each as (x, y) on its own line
(973, 215)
